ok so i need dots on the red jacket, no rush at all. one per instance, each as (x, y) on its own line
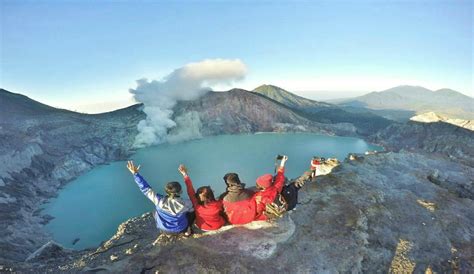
(208, 216)
(268, 195)
(239, 206)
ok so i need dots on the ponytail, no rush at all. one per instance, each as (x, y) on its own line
(173, 189)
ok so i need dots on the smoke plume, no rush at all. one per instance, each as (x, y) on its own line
(186, 83)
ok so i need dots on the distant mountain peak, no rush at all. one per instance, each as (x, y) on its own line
(444, 90)
(448, 91)
(237, 90)
(407, 89)
(288, 98)
(268, 86)
(419, 99)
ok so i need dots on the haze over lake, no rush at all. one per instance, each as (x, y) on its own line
(91, 207)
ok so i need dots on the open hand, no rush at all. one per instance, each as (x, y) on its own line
(132, 168)
(183, 170)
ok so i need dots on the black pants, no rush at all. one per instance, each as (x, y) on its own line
(191, 216)
(290, 193)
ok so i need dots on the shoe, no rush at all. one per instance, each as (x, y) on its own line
(188, 232)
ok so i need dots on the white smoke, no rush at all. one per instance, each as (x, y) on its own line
(186, 83)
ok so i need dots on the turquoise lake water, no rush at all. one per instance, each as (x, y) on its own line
(91, 207)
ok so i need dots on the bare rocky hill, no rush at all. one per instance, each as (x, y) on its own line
(42, 148)
(240, 111)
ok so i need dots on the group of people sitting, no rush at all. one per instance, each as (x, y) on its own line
(237, 205)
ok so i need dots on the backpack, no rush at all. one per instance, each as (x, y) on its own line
(284, 201)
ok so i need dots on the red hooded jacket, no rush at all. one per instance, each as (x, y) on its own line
(239, 205)
(208, 216)
(268, 195)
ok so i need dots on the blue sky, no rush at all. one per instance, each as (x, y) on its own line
(72, 53)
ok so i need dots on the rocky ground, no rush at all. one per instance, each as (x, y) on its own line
(437, 138)
(386, 212)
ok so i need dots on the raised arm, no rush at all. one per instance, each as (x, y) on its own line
(280, 177)
(189, 185)
(145, 188)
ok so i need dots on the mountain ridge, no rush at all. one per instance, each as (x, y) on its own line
(365, 121)
(418, 99)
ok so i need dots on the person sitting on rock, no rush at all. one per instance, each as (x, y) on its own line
(287, 198)
(208, 210)
(315, 162)
(268, 189)
(173, 214)
(239, 204)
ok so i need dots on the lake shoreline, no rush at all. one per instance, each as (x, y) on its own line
(267, 145)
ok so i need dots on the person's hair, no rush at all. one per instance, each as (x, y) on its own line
(205, 195)
(232, 179)
(173, 189)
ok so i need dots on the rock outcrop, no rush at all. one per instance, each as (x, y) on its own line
(436, 138)
(378, 213)
(431, 117)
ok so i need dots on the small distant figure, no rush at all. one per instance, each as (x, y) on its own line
(239, 204)
(315, 163)
(269, 188)
(208, 210)
(173, 214)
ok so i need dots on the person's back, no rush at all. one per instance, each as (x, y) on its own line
(208, 216)
(171, 214)
(208, 210)
(268, 189)
(239, 204)
(171, 211)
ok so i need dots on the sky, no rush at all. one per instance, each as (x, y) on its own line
(85, 55)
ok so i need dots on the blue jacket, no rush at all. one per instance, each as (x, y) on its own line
(170, 213)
